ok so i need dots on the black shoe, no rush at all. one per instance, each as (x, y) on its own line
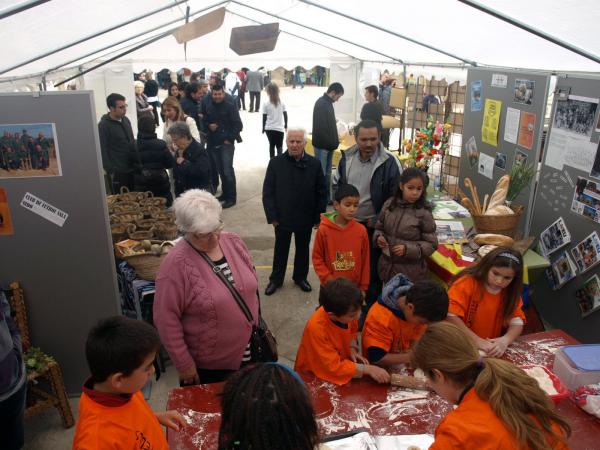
(221, 198)
(304, 285)
(227, 204)
(271, 288)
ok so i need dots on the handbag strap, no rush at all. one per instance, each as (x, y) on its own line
(234, 292)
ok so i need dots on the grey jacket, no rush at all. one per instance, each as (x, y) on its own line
(254, 81)
(12, 368)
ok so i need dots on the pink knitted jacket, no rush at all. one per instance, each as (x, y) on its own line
(199, 321)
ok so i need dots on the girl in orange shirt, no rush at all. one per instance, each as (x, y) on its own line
(485, 301)
(499, 406)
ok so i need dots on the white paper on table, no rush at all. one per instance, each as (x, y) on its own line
(511, 125)
(402, 442)
(486, 165)
(360, 441)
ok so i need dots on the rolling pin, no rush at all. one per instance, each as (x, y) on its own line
(408, 381)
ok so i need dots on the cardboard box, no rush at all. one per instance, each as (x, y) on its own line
(456, 119)
(254, 39)
(398, 98)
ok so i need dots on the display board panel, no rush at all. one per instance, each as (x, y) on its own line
(59, 247)
(503, 122)
(566, 217)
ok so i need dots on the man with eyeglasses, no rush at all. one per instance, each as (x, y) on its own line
(117, 144)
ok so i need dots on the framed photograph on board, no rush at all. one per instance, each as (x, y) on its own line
(588, 296)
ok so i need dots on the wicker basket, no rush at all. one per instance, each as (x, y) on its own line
(125, 207)
(164, 216)
(154, 201)
(145, 224)
(120, 231)
(142, 235)
(149, 210)
(146, 265)
(506, 224)
(126, 217)
(112, 199)
(126, 196)
(165, 230)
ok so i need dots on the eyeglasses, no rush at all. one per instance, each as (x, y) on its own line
(214, 232)
(122, 106)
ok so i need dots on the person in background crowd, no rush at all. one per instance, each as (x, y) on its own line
(154, 159)
(324, 131)
(372, 109)
(255, 84)
(192, 166)
(293, 198)
(174, 91)
(13, 381)
(222, 120)
(298, 77)
(430, 99)
(499, 406)
(275, 394)
(141, 101)
(385, 93)
(151, 92)
(242, 97)
(174, 113)
(117, 143)
(274, 119)
(190, 102)
(232, 85)
(375, 172)
(187, 289)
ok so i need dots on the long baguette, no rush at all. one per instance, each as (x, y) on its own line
(499, 196)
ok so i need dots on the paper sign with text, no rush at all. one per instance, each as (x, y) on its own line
(41, 208)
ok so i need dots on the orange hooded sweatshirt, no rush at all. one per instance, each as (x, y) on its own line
(341, 252)
(324, 349)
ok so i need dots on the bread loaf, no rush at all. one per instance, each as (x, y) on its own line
(500, 210)
(499, 195)
(494, 239)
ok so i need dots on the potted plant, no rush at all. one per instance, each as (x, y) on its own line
(520, 177)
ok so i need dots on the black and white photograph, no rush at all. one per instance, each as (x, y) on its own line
(586, 199)
(588, 296)
(520, 158)
(554, 237)
(595, 172)
(575, 116)
(29, 150)
(524, 91)
(472, 152)
(561, 271)
(587, 253)
(500, 161)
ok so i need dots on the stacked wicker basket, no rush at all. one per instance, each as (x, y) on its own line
(141, 228)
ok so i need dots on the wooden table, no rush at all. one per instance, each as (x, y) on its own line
(383, 410)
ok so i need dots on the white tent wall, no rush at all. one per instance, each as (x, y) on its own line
(347, 71)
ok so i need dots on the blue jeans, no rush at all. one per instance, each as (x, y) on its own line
(224, 158)
(326, 158)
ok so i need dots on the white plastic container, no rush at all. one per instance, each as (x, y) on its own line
(571, 376)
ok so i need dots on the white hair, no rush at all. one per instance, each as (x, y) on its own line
(138, 83)
(300, 129)
(197, 211)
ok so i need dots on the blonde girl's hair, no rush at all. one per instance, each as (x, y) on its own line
(515, 397)
(172, 102)
(499, 257)
(273, 93)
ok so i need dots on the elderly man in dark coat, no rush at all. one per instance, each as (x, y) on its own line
(293, 199)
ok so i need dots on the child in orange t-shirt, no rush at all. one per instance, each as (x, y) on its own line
(329, 347)
(399, 318)
(499, 407)
(341, 245)
(485, 300)
(112, 411)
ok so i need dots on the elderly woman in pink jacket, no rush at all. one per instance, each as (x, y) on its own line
(199, 322)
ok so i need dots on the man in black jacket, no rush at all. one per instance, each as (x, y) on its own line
(117, 143)
(324, 130)
(190, 102)
(293, 199)
(223, 124)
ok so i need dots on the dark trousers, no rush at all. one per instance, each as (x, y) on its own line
(254, 101)
(120, 179)
(156, 105)
(12, 417)
(241, 100)
(374, 289)
(209, 376)
(223, 155)
(282, 249)
(275, 140)
(385, 137)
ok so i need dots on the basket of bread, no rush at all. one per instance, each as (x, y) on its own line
(144, 256)
(493, 215)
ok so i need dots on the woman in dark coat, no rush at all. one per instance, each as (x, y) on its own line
(192, 168)
(154, 159)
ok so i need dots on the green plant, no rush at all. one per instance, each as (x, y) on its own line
(520, 177)
(36, 360)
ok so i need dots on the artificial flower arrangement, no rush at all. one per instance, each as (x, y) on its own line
(429, 142)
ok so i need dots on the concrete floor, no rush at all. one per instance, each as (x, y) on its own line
(286, 311)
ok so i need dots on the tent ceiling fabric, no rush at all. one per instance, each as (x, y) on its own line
(444, 24)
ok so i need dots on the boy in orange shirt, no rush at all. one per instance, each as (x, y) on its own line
(329, 347)
(400, 317)
(112, 411)
(341, 247)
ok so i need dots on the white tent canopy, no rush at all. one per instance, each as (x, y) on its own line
(448, 25)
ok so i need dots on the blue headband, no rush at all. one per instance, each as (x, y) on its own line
(294, 373)
(510, 256)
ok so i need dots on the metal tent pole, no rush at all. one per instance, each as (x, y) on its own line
(530, 29)
(377, 27)
(24, 6)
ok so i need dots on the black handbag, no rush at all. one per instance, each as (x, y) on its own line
(263, 345)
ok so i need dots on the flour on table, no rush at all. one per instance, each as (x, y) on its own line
(543, 379)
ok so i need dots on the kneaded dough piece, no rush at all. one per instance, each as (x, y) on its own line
(413, 447)
(419, 374)
(544, 381)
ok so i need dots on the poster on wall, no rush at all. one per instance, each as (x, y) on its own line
(595, 172)
(499, 80)
(554, 237)
(520, 158)
(491, 121)
(588, 296)
(486, 165)
(587, 253)
(511, 125)
(586, 199)
(526, 130)
(524, 91)
(500, 161)
(561, 271)
(29, 150)
(6, 225)
(576, 115)
(472, 152)
(476, 96)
